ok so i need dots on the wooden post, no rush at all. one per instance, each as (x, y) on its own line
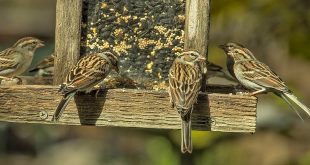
(197, 25)
(67, 37)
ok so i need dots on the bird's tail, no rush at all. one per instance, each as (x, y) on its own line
(291, 106)
(186, 136)
(296, 101)
(62, 106)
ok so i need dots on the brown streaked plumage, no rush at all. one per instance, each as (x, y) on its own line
(16, 60)
(215, 70)
(235, 52)
(257, 76)
(257, 72)
(45, 67)
(88, 72)
(185, 77)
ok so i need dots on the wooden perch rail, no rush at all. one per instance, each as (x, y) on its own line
(127, 108)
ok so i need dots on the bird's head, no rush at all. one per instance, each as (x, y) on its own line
(28, 44)
(113, 59)
(190, 57)
(237, 51)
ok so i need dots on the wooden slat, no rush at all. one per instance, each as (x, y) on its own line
(127, 108)
(197, 25)
(67, 37)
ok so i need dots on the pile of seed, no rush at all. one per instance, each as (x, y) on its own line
(148, 34)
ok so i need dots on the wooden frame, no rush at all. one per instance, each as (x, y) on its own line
(217, 110)
(128, 108)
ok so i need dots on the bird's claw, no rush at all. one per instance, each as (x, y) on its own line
(98, 89)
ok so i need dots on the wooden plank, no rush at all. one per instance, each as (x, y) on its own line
(67, 37)
(197, 25)
(128, 108)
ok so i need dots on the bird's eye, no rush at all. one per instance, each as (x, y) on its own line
(236, 51)
(192, 56)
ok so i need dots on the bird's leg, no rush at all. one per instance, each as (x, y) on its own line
(257, 92)
(20, 81)
(98, 88)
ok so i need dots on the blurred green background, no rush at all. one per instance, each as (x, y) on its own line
(277, 31)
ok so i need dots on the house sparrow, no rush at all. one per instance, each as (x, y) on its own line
(257, 76)
(45, 67)
(185, 77)
(17, 59)
(87, 73)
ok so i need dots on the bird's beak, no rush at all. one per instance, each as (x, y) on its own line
(40, 44)
(202, 58)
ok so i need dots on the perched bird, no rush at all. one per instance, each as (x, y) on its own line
(45, 67)
(185, 77)
(236, 52)
(257, 76)
(215, 70)
(87, 73)
(17, 59)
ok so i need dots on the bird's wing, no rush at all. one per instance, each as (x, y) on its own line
(46, 63)
(214, 67)
(88, 72)
(7, 61)
(184, 83)
(260, 74)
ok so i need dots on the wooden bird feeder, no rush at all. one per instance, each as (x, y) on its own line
(218, 109)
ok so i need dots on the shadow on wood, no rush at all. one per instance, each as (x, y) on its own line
(204, 120)
(89, 115)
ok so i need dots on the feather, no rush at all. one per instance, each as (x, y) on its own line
(87, 73)
(256, 75)
(297, 102)
(260, 74)
(62, 106)
(289, 104)
(186, 137)
(15, 60)
(185, 77)
(46, 63)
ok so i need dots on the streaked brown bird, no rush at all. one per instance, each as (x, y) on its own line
(215, 70)
(45, 67)
(87, 73)
(185, 77)
(257, 76)
(16, 60)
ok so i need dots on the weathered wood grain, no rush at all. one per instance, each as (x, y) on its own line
(197, 25)
(67, 37)
(127, 108)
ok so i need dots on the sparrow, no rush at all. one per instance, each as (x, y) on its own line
(16, 60)
(257, 76)
(185, 77)
(215, 70)
(45, 67)
(87, 73)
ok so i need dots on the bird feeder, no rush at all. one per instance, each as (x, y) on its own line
(147, 34)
